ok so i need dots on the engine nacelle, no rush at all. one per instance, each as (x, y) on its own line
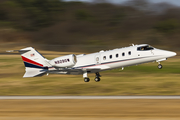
(64, 61)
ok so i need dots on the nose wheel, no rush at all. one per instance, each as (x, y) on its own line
(160, 66)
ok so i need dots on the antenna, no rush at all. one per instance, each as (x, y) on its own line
(12, 50)
(131, 44)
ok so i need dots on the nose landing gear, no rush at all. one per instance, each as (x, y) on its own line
(160, 66)
(158, 61)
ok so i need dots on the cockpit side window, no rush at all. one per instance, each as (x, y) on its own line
(145, 48)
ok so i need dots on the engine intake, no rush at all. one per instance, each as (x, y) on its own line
(64, 61)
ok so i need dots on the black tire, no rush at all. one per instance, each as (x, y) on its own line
(86, 79)
(160, 66)
(97, 79)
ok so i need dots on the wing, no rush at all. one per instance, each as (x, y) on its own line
(75, 71)
(80, 70)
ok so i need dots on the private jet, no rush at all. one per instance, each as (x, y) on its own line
(37, 65)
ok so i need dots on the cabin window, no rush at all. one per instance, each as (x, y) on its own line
(104, 58)
(145, 48)
(110, 56)
(117, 55)
(129, 52)
(123, 54)
(97, 59)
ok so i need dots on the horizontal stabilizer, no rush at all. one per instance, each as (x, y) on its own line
(34, 72)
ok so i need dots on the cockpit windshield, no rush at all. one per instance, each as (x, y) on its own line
(145, 48)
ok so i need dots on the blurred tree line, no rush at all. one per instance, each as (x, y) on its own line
(58, 22)
(29, 15)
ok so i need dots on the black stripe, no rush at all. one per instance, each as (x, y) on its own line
(33, 66)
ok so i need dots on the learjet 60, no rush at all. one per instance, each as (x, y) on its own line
(37, 65)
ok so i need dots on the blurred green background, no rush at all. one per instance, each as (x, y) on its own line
(57, 28)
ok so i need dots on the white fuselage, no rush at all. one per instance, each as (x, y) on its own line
(122, 57)
(37, 65)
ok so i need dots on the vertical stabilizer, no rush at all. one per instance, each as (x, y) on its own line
(35, 63)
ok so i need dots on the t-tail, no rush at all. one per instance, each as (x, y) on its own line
(35, 63)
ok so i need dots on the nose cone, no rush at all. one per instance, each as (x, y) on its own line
(173, 53)
(170, 54)
(165, 53)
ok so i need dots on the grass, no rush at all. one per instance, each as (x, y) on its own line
(143, 79)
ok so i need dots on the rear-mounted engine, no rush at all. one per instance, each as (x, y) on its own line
(64, 61)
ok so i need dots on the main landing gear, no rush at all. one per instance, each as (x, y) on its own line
(86, 79)
(97, 78)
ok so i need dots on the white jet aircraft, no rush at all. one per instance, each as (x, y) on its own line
(37, 65)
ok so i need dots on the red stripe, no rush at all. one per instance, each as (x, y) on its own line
(30, 61)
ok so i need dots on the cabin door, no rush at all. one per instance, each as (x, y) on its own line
(152, 52)
(97, 59)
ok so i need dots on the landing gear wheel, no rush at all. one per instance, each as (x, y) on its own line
(97, 79)
(160, 66)
(86, 79)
